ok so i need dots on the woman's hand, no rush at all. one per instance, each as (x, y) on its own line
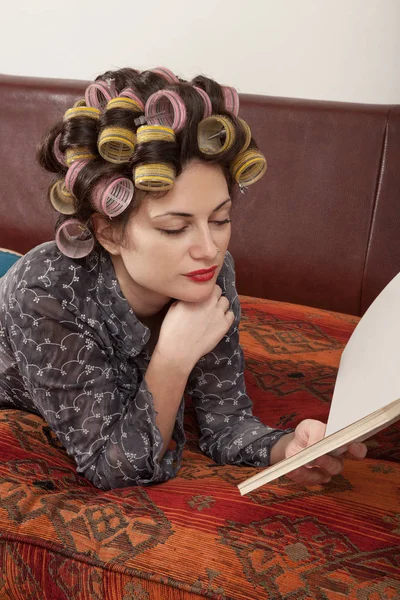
(323, 468)
(192, 329)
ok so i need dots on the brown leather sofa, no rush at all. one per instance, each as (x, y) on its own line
(320, 229)
(314, 242)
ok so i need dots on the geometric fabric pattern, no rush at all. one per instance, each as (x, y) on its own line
(194, 536)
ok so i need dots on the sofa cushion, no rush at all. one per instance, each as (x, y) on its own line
(7, 258)
(292, 356)
(195, 536)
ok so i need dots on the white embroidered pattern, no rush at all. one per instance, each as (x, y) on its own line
(77, 356)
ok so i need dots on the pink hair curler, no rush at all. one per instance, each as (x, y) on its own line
(206, 100)
(57, 152)
(231, 99)
(166, 73)
(98, 94)
(170, 103)
(112, 197)
(73, 173)
(74, 239)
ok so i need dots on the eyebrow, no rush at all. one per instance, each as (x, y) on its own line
(183, 214)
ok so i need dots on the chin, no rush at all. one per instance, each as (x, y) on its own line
(203, 292)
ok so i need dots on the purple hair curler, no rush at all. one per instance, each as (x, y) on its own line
(170, 103)
(74, 239)
(112, 197)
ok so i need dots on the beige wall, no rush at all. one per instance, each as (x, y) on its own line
(327, 49)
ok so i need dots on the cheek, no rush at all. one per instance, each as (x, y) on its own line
(225, 236)
(164, 249)
(156, 255)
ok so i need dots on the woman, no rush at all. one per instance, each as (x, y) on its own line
(103, 330)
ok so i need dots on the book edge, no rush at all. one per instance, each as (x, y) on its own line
(381, 418)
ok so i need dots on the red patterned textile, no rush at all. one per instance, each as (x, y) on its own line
(195, 536)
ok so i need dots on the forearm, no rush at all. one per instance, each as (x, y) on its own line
(278, 449)
(166, 380)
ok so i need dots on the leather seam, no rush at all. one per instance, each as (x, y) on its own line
(382, 168)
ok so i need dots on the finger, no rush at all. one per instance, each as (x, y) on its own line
(218, 291)
(224, 302)
(309, 431)
(313, 476)
(230, 315)
(331, 465)
(356, 451)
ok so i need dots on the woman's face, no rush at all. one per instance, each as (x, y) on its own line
(160, 248)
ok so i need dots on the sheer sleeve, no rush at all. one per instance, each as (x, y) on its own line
(230, 433)
(104, 418)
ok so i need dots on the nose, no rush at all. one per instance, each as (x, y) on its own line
(204, 245)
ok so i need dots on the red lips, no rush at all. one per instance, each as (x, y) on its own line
(202, 271)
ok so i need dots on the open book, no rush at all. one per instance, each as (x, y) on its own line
(366, 397)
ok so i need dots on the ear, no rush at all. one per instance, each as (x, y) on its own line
(105, 233)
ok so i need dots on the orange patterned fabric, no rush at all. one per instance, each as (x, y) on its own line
(195, 536)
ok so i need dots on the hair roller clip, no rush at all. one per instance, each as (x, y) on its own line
(215, 135)
(113, 196)
(248, 167)
(231, 98)
(57, 152)
(74, 239)
(80, 102)
(166, 74)
(79, 153)
(151, 133)
(129, 93)
(206, 100)
(73, 173)
(99, 93)
(62, 199)
(166, 107)
(81, 111)
(247, 131)
(154, 177)
(116, 144)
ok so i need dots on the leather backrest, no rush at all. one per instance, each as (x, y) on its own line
(321, 228)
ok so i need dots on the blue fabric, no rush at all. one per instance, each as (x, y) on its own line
(7, 259)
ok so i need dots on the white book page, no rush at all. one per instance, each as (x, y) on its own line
(369, 372)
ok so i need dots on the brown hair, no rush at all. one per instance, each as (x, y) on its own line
(84, 132)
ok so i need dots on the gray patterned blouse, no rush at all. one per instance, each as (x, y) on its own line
(73, 351)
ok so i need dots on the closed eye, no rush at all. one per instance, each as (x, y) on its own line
(178, 231)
